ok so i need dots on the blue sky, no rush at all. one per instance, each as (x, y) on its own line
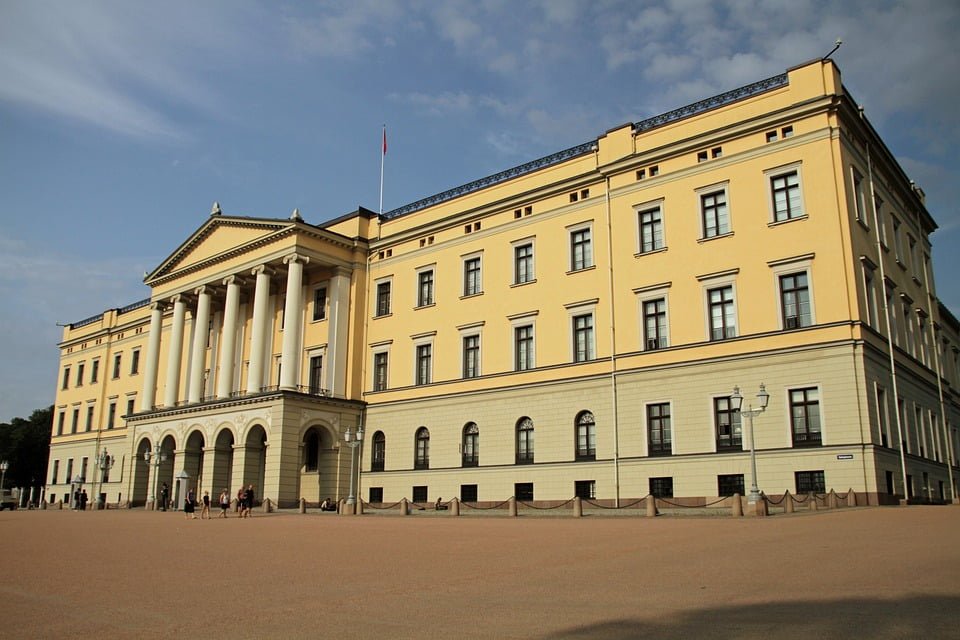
(121, 122)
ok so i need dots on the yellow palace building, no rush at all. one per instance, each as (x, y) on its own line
(576, 325)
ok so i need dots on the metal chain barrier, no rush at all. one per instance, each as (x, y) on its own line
(368, 504)
(496, 506)
(623, 506)
(533, 506)
(692, 506)
(772, 501)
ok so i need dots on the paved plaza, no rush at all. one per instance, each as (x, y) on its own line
(852, 573)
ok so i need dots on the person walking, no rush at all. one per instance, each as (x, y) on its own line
(164, 496)
(188, 505)
(241, 497)
(83, 500)
(205, 506)
(224, 503)
(248, 502)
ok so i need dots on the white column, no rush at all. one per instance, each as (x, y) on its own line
(201, 322)
(337, 327)
(292, 321)
(261, 300)
(172, 392)
(228, 348)
(149, 396)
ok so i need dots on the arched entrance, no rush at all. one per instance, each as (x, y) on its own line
(141, 475)
(223, 463)
(193, 460)
(165, 474)
(254, 469)
(318, 466)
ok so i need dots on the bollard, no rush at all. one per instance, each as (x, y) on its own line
(404, 511)
(813, 501)
(832, 500)
(303, 505)
(512, 506)
(60, 504)
(651, 506)
(455, 507)
(577, 507)
(359, 510)
(43, 505)
(736, 507)
(787, 502)
(851, 498)
(341, 506)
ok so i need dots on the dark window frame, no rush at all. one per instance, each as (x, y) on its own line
(421, 455)
(470, 445)
(659, 429)
(525, 451)
(378, 453)
(728, 425)
(805, 413)
(585, 436)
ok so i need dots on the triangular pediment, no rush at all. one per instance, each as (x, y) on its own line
(219, 236)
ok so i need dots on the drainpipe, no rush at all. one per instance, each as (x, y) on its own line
(613, 350)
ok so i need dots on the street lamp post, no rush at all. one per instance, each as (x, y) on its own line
(736, 401)
(155, 458)
(3, 473)
(104, 463)
(353, 441)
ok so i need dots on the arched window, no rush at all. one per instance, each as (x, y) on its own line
(471, 445)
(586, 436)
(421, 458)
(379, 451)
(524, 441)
(311, 450)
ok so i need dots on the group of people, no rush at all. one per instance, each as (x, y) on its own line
(80, 500)
(245, 497)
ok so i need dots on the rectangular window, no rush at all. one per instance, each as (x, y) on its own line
(859, 200)
(805, 417)
(425, 288)
(60, 418)
(468, 493)
(69, 477)
(651, 230)
(94, 371)
(581, 252)
(76, 419)
(116, 365)
(722, 313)
(383, 299)
(111, 415)
(471, 277)
(883, 425)
(66, 378)
(320, 303)
(655, 324)
(729, 484)
(135, 362)
(714, 214)
(795, 300)
(89, 423)
(810, 482)
(585, 489)
(56, 472)
(661, 487)
(471, 356)
(727, 422)
(786, 196)
(523, 491)
(523, 263)
(316, 374)
(380, 371)
(871, 297)
(80, 368)
(523, 348)
(130, 404)
(420, 494)
(897, 243)
(424, 363)
(660, 437)
(376, 495)
(583, 337)
(83, 468)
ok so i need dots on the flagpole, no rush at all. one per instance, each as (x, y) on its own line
(383, 154)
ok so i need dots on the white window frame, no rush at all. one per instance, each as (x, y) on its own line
(638, 211)
(859, 196)
(571, 230)
(788, 417)
(474, 329)
(325, 285)
(870, 292)
(575, 310)
(477, 255)
(420, 271)
(516, 244)
(528, 319)
(376, 296)
(716, 281)
(789, 266)
(375, 350)
(770, 175)
(646, 427)
(320, 352)
(649, 294)
(422, 340)
(701, 220)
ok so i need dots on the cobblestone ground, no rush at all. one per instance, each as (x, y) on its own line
(852, 573)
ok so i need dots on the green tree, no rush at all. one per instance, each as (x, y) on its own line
(25, 445)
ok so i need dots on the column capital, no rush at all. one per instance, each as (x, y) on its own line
(174, 299)
(157, 306)
(205, 289)
(342, 271)
(296, 257)
(234, 279)
(262, 269)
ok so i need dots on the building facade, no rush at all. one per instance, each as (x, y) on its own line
(572, 326)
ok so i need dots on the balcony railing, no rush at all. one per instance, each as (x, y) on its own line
(235, 395)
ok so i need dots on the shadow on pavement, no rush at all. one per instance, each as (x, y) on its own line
(928, 617)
